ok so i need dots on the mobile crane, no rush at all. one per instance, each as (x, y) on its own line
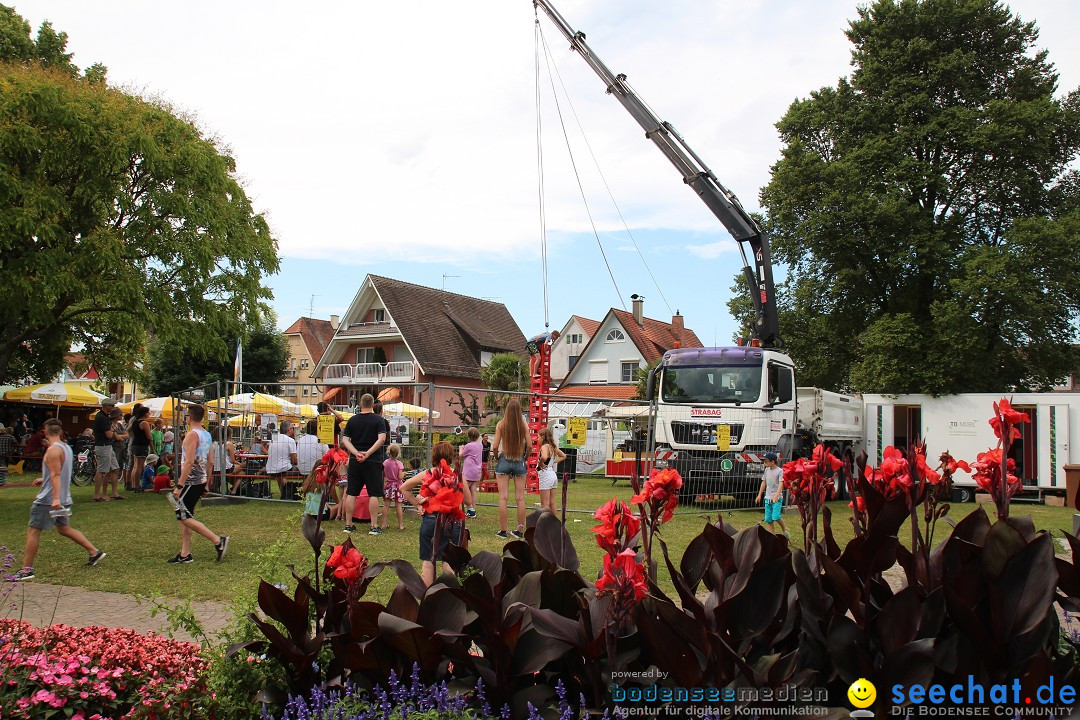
(719, 410)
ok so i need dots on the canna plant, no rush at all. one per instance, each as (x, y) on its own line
(750, 610)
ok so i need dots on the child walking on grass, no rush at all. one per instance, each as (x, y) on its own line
(392, 470)
(772, 488)
(472, 454)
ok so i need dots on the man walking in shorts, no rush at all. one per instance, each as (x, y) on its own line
(365, 430)
(103, 450)
(190, 487)
(52, 506)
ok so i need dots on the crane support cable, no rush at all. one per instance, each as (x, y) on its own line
(573, 164)
(603, 179)
(540, 174)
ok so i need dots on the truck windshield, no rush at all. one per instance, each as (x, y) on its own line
(714, 384)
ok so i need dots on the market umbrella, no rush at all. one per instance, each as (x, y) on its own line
(71, 394)
(259, 403)
(407, 410)
(308, 411)
(160, 407)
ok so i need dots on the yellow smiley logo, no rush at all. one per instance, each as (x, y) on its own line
(862, 693)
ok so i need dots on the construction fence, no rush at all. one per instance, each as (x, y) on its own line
(608, 442)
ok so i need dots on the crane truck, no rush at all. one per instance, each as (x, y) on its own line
(719, 410)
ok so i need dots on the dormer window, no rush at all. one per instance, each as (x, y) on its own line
(615, 335)
(378, 316)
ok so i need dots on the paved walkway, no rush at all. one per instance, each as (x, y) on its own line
(41, 604)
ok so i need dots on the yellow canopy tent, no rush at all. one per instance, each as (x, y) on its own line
(71, 394)
(407, 410)
(160, 407)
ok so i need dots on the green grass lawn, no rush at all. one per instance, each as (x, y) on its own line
(141, 533)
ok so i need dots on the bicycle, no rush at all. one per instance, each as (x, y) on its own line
(82, 474)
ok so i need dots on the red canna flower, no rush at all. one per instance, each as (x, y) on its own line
(859, 503)
(623, 575)
(928, 474)
(348, 564)
(618, 525)
(448, 501)
(1004, 412)
(825, 460)
(661, 493)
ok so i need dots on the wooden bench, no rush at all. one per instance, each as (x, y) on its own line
(262, 480)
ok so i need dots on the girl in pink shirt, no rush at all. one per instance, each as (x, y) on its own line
(471, 467)
(392, 469)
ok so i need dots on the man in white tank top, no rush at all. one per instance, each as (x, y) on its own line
(52, 506)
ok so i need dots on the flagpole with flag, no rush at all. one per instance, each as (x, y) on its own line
(238, 366)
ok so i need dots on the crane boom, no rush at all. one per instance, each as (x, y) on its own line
(722, 202)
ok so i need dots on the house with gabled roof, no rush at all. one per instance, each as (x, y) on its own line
(623, 342)
(567, 348)
(79, 371)
(307, 339)
(396, 333)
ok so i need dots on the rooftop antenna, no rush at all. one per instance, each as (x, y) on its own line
(447, 276)
(311, 307)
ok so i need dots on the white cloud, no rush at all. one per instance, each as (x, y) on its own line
(407, 127)
(711, 251)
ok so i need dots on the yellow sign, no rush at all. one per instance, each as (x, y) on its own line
(575, 432)
(723, 437)
(618, 456)
(435, 437)
(326, 429)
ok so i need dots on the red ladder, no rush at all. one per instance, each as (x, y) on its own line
(539, 389)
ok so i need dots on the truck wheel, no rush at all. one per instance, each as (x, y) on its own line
(963, 494)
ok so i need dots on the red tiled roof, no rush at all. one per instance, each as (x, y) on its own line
(85, 371)
(653, 337)
(605, 392)
(315, 333)
(589, 327)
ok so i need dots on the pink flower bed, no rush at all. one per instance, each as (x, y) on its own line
(97, 673)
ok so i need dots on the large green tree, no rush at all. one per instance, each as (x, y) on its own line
(118, 220)
(926, 208)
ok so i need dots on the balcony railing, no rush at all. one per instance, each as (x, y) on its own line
(370, 373)
(398, 372)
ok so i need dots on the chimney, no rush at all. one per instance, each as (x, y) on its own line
(677, 321)
(638, 303)
(335, 321)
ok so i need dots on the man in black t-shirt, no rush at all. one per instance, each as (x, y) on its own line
(364, 439)
(103, 450)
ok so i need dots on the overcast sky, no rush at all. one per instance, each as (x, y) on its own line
(399, 137)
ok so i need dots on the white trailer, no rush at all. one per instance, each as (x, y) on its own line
(960, 425)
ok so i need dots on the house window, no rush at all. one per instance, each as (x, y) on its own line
(628, 371)
(574, 338)
(304, 364)
(378, 315)
(573, 361)
(615, 335)
(306, 390)
(598, 371)
(485, 358)
(365, 355)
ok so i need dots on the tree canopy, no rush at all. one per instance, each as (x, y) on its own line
(119, 220)
(927, 210)
(172, 367)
